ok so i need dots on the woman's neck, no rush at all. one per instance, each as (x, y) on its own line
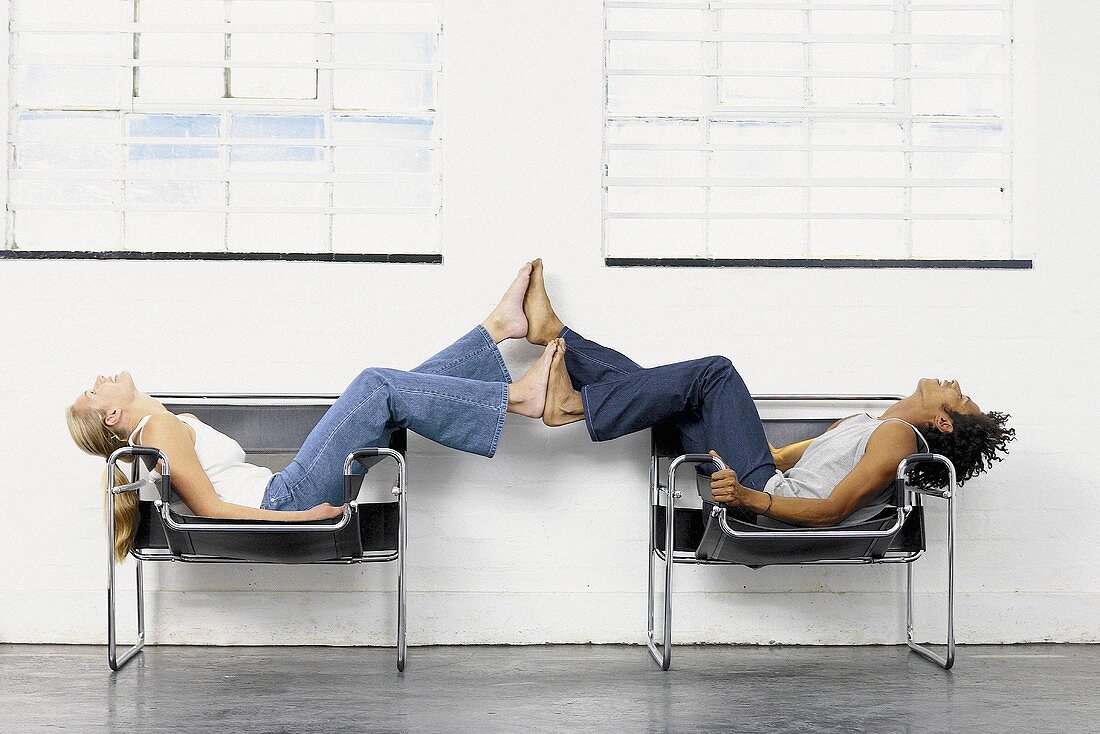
(141, 406)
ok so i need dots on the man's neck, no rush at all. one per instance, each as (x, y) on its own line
(909, 410)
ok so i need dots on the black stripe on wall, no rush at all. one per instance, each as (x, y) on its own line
(289, 256)
(703, 262)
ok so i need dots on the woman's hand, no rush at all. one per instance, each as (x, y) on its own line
(322, 512)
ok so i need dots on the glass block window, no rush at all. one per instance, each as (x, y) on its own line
(869, 129)
(225, 126)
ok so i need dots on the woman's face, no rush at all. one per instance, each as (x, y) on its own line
(107, 393)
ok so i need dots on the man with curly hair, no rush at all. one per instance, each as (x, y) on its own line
(843, 476)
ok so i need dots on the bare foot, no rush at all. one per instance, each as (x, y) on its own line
(563, 403)
(507, 320)
(543, 324)
(527, 395)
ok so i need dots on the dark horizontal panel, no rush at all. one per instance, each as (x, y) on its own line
(704, 262)
(293, 256)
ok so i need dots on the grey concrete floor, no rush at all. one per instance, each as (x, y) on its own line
(553, 688)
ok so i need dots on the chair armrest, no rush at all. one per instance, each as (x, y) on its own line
(161, 483)
(368, 452)
(695, 459)
(912, 459)
(258, 526)
(830, 532)
(268, 526)
(719, 512)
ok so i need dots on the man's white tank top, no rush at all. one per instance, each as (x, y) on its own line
(222, 458)
(829, 458)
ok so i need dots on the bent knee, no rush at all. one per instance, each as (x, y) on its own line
(718, 362)
(371, 376)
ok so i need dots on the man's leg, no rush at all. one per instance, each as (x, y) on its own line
(590, 362)
(706, 397)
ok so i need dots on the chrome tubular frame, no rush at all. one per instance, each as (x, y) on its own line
(162, 506)
(113, 659)
(402, 535)
(283, 527)
(949, 494)
(663, 655)
(720, 513)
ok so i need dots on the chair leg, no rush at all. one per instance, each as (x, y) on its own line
(402, 541)
(112, 658)
(944, 662)
(662, 657)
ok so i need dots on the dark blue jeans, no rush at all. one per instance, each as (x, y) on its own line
(705, 398)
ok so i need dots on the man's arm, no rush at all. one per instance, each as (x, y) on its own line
(888, 445)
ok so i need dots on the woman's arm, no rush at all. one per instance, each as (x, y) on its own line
(787, 456)
(170, 435)
(888, 445)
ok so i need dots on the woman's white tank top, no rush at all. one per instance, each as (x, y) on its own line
(829, 458)
(222, 458)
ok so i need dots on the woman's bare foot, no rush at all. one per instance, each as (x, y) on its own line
(563, 403)
(543, 324)
(507, 320)
(527, 395)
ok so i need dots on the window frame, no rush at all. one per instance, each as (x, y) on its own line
(323, 105)
(710, 67)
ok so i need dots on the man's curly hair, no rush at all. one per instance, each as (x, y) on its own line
(975, 443)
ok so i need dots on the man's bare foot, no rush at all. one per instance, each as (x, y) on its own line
(507, 320)
(543, 324)
(527, 395)
(563, 403)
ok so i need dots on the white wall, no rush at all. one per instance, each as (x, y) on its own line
(547, 541)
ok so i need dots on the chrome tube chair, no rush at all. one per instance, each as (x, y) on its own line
(270, 428)
(717, 537)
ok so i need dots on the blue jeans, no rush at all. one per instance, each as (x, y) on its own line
(705, 398)
(457, 398)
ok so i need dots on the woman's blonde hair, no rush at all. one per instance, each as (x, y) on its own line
(91, 434)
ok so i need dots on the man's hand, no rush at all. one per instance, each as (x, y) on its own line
(726, 489)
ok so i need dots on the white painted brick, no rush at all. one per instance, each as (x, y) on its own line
(546, 542)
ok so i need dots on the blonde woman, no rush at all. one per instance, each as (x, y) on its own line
(457, 398)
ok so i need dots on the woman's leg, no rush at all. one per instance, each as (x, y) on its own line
(475, 355)
(706, 397)
(457, 412)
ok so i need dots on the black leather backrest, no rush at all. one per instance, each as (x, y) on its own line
(259, 429)
(269, 430)
(782, 431)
